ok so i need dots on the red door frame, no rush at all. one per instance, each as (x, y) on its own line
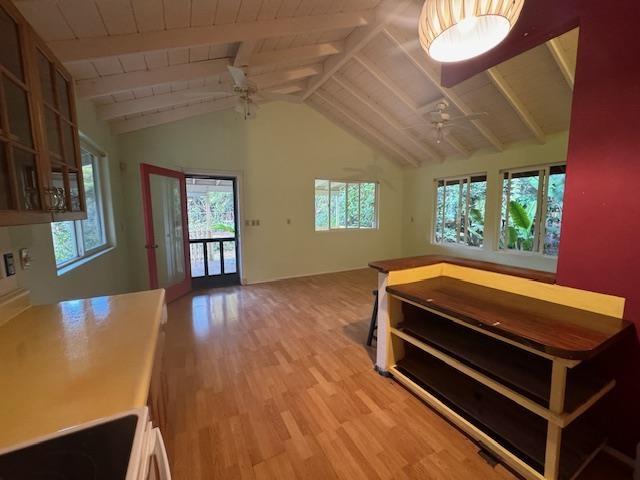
(146, 170)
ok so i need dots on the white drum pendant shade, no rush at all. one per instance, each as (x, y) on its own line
(455, 30)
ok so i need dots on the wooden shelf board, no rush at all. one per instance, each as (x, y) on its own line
(551, 328)
(519, 431)
(518, 370)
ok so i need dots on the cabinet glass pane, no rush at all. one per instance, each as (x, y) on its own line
(10, 42)
(5, 191)
(27, 176)
(53, 139)
(62, 88)
(74, 191)
(44, 72)
(68, 144)
(18, 110)
(57, 201)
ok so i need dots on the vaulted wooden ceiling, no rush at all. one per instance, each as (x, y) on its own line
(358, 62)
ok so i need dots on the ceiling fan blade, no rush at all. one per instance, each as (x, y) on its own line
(273, 96)
(206, 94)
(239, 77)
(417, 125)
(471, 116)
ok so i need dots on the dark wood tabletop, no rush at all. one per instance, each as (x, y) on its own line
(386, 266)
(548, 327)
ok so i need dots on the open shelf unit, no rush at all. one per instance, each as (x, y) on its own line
(525, 398)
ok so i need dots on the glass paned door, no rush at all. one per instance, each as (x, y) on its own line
(212, 213)
(165, 215)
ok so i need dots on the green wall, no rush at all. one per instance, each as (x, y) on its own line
(419, 197)
(279, 155)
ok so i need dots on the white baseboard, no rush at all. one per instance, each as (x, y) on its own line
(277, 279)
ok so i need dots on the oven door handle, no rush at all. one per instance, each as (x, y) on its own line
(159, 458)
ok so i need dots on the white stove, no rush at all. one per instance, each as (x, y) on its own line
(122, 447)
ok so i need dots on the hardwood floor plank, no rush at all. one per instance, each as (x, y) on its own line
(273, 381)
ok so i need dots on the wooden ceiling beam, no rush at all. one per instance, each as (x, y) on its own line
(372, 132)
(111, 84)
(418, 60)
(155, 102)
(358, 39)
(289, 88)
(561, 61)
(168, 116)
(510, 96)
(391, 86)
(390, 121)
(307, 52)
(243, 55)
(267, 80)
(115, 45)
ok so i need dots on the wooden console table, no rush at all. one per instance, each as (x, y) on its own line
(503, 353)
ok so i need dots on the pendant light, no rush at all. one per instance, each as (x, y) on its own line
(456, 30)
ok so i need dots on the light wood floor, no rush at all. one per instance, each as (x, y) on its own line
(273, 381)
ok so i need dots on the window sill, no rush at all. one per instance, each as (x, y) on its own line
(84, 260)
(347, 230)
(456, 246)
(523, 253)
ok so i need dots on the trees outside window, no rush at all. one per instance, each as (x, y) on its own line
(75, 240)
(345, 205)
(460, 210)
(531, 212)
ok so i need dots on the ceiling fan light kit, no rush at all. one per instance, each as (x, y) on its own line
(456, 30)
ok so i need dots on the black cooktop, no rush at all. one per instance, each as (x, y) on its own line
(100, 452)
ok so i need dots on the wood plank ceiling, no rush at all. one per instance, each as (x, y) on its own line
(358, 62)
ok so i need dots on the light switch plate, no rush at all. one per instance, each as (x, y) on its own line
(9, 264)
(25, 258)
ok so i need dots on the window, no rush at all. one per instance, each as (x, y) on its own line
(460, 210)
(346, 205)
(75, 240)
(532, 209)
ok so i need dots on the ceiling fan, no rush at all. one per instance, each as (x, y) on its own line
(247, 92)
(441, 122)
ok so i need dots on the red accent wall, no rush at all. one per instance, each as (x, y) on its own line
(600, 247)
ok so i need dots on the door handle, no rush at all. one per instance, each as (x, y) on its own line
(155, 245)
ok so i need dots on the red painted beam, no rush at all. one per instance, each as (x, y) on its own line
(540, 21)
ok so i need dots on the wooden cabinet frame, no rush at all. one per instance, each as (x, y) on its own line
(30, 44)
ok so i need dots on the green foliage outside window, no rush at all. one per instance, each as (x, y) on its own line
(460, 206)
(211, 214)
(345, 205)
(522, 230)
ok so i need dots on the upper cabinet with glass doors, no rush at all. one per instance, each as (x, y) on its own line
(40, 162)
